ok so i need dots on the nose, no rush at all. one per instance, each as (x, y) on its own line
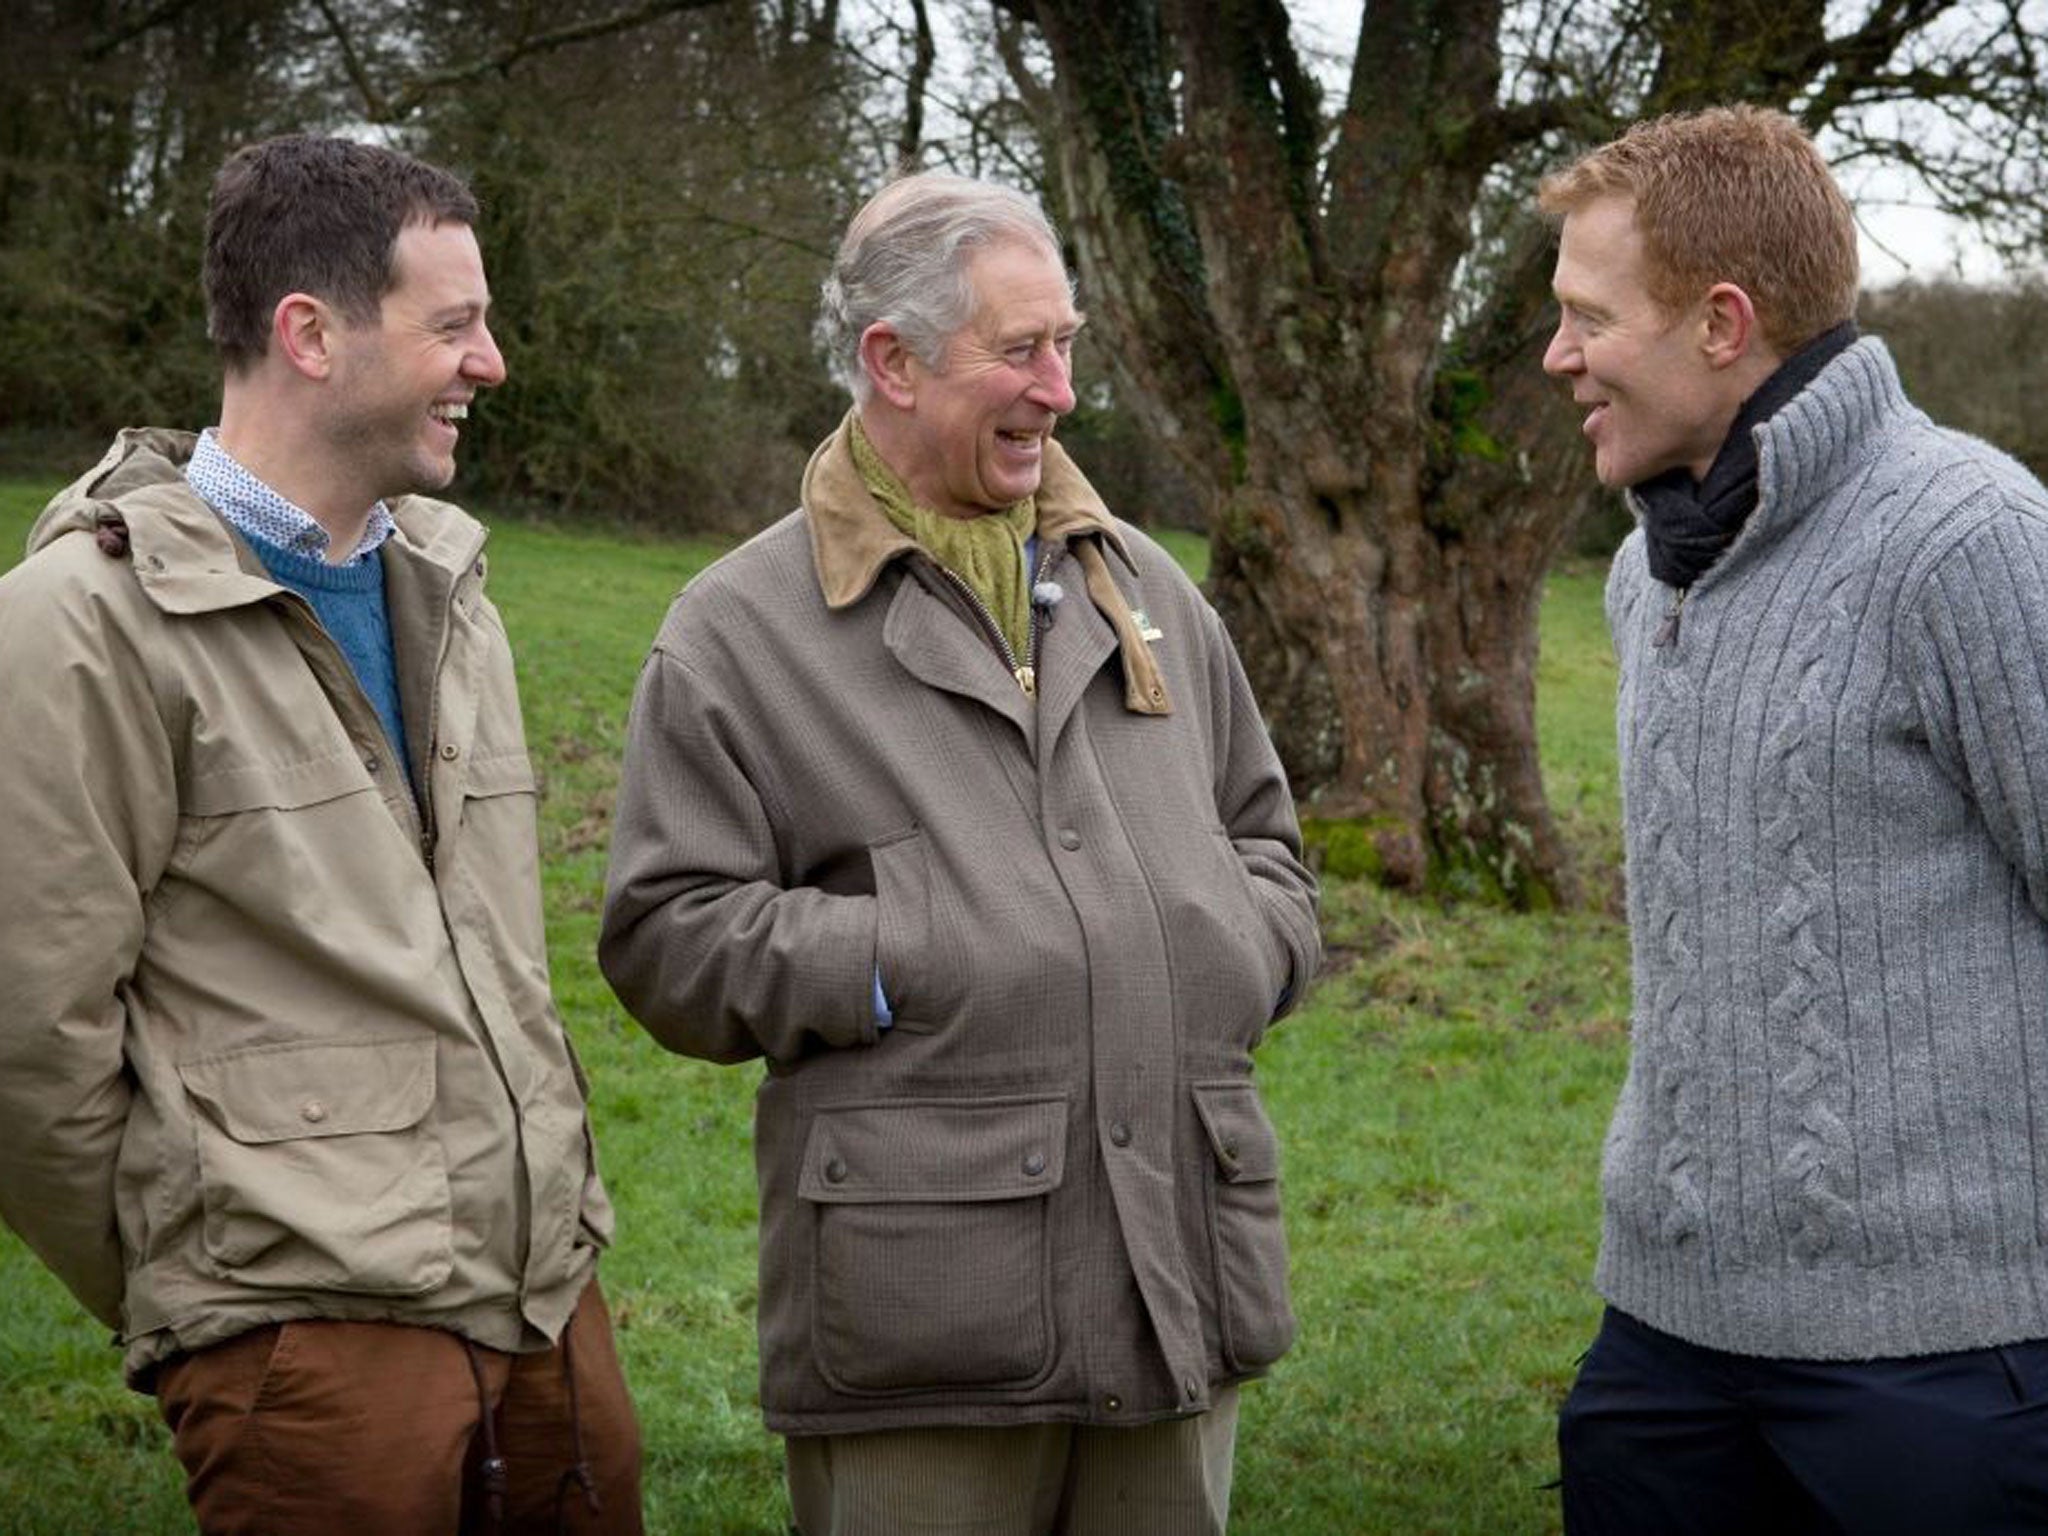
(1562, 356)
(1053, 383)
(484, 364)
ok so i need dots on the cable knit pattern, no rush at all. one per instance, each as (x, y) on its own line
(1833, 1140)
(1805, 1015)
(1671, 827)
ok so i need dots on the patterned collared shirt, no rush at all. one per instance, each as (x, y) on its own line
(258, 512)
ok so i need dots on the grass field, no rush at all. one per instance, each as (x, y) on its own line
(1441, 1101)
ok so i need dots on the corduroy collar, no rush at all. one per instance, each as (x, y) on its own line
(852, 538)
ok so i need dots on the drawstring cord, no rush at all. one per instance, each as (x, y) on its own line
(493, 1469)
(580, 1472)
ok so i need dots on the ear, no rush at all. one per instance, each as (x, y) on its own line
(890, 364)
(304, 329)
(1732, 333)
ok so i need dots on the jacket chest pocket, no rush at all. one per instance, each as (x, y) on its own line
(931, 1250)
(1246, 1237)
(317, 1169)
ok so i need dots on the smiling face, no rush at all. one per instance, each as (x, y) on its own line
(1653, 399)
(977, 425)
(402, 384)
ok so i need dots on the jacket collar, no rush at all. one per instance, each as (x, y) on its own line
(852, 538)
(185, 556)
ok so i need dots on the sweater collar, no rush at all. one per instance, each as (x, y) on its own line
(1821, 435)
(1811, 442)
(852, 538)
(1688, 524)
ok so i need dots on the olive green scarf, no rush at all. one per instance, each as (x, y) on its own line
(985, 552)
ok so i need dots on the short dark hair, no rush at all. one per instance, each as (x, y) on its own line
(306, 214)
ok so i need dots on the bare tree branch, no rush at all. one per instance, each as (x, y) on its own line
(400, 103)
(1856, 56)
(374, 105)
(911, 140)
(130, 28)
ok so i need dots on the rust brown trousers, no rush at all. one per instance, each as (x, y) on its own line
(330, 1428)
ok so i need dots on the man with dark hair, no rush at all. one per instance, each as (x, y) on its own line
(1825, 1245)
(284, 1099)
(947, 796)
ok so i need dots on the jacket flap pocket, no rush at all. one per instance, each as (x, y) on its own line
(222, 791)
(325, 1088)
(502, 773)
(1247, 1150)
(935, 1150)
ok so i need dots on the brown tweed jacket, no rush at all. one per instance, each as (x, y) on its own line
(1049, 1191)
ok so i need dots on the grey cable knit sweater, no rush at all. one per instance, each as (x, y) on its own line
(1833, 1140)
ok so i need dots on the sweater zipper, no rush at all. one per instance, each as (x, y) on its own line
(1025, 672)
(1667, 632)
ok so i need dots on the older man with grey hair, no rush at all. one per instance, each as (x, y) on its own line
(947, 796)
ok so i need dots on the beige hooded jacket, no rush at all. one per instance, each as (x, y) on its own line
(1049, 1191)
(274, 1043)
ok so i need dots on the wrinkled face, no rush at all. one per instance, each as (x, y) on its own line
(1652, 400)
(402, 386)
(979, 422)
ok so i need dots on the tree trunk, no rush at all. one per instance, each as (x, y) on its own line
(1286, 345)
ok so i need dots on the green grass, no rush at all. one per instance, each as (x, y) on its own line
(1441, 1101)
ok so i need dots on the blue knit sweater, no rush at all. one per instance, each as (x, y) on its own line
(1833, 1139)
(350, 602)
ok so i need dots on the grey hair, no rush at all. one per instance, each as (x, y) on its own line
(904, 262)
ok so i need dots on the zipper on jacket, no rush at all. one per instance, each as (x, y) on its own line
(421, 812)
(1025, 672)
(430, 830)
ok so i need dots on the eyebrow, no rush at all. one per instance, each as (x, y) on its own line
(1024, 333)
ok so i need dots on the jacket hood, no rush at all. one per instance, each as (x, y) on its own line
(140, 458)
(185, 555)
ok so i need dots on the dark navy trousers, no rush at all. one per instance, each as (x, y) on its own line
(1664, 1438)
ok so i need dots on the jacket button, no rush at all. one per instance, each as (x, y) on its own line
(1190, 1389)
(313, 1111)
(450, 751)
(1112, 1404)
(1120, 1133)
(1070, 839)
(1034, 1163)
(835, 1171)
(371, 765)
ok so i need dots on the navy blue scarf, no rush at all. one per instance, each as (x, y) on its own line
(1688, 523)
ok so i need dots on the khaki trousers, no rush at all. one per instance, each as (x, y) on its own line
(1165, 1479)
(325, 1428)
